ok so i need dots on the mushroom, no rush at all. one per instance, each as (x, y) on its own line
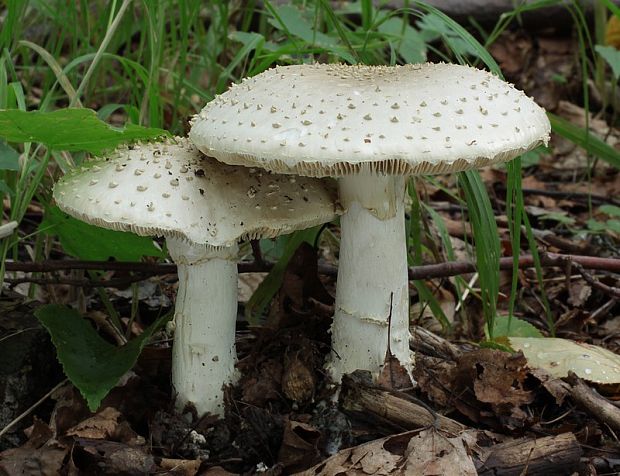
(371, 126)
(202, 207)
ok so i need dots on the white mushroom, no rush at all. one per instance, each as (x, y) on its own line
(372, 127)
(203, 208)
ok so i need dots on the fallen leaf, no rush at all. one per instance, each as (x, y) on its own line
(560, 356)
(420, 453)
(44, 461)
(299, 448)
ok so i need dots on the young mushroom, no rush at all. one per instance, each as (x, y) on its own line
(202, 207)
(371, 126)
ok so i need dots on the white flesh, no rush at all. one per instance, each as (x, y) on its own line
(203, 354)
(372, 267)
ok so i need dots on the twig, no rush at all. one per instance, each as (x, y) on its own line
(595, 404)
(31, 408)
(568, 195)
(429, 271)
(83, 283)
(595, 283)
(125, 266)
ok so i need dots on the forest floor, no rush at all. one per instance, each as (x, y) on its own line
(473, 410)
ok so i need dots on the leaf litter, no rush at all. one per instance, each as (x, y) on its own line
(471, 410)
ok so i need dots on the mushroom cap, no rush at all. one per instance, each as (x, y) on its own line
(171, 189)
(335, 120)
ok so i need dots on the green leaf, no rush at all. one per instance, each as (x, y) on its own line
(559, 216)
(71, 130)
(409, 43)
(9, 158)
(561, 356)
(613, 225)
(292, 21)
(611, 210)
(92, 364)
(513, 327)
(612, 56)
(592, 144)
(5, 189)
(595, 225)
(90, 242)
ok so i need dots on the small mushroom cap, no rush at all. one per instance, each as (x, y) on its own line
(334, 120)
(171, 189)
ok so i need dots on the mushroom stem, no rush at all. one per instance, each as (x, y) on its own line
(372, 269)
(203, 354)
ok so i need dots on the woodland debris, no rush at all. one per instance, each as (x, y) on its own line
(359, 396)
(595, 404)
(426, 452)
(547, 456)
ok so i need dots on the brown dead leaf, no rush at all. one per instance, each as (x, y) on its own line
(217, 471)
(44, 461)
(579, 292)
(299, 448)
(301, 283)
(434, 378)
(108, 423)
(497, 377)
(512, 51)
(70, 409)
(98, 427)
(424, 453)
(38, 433)
(490, 382)
(109, 457)
(264, 384)
(393, 375)
(181, 467)
(298, 378)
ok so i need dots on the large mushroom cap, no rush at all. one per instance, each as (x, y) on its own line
(321, 119)
(171, 189)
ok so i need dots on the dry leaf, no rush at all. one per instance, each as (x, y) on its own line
(425, 453)
(560, 356)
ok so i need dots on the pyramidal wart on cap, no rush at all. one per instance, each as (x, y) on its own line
(202, 207)
(370, 126)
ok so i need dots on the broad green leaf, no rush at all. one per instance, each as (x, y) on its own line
(612, 56)
(559, 216)
(92, 364)
(559, 356)
(294, 24)
(90, 242)
(9, 158)
(513, 327)
(595, 225)
(4, 188)
(613, 225)
(291, 20)
(611, 210)
(71, 130)
(530, 158)
(409, 43)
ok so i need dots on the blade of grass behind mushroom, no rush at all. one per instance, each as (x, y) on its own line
(415, 257)
(486, 241)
